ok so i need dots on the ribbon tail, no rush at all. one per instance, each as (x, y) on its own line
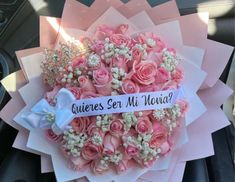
(32, 119)
(44, 124)
(63, 118)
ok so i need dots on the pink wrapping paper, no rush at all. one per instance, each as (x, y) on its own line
(12, 83)
(24, 53)
(82, 19)
(20, 79)
(194, 30)
(133, 7)
(49, 27)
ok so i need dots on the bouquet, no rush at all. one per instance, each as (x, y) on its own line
(111, 64)
(117, 97)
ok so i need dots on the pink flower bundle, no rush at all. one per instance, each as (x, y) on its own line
(69, 98)
(113, 63)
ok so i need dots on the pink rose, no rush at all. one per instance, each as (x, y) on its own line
(144, 73)
(88, 94)
(79, 62)
(136, 58)
(165, 148)
(117, 127)
(136, 54)
(183, 106)
(49, 96)
(162, 75)
(170, 85)
(119, 39)
(53, 137)
(104, 89)
(144, 125)
(177, 75)
(122, 29)
(129, 87)
(80, 124)
(111, 143)
(155, 57)
(98, 46)
(104, 31)
(65, 151)
(172, 51)
(86, 84)
(93, 129)
(98, 168)
(130, 64)
(158, 87)
(75, 91)
(159, 127)
(132, 132)
(153, 42)
(91, 151)
(102, 78)
(147, 88)
(122, 166)
(159, 135)
(120, 62)
(131, 151)
(78, 163)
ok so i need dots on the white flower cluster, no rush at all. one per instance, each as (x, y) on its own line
(151, 42)
(110, 51)
(173, 113)
(74, 142)
(118, 74)
(142, 48)
(146, 152)
(115, 158)
(56, 66)
(103, 121)
(159, 114)
(50, 117)
(129, 119)
(67, 50)
(142, 143)
(55, 56)
(168, 116)
(71, 75)
(105, 161)
(169, 60)
(127, 140)
(97, 139)
(171, 124)
(93, 60)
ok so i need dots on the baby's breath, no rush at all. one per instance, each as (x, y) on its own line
(73, 142)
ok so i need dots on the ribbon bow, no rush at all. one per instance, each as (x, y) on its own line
(57, 117)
